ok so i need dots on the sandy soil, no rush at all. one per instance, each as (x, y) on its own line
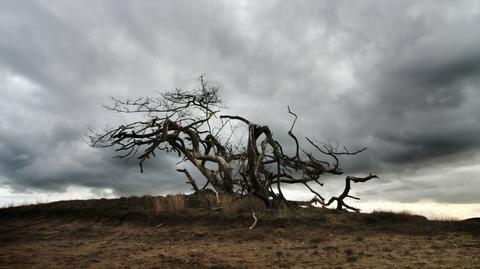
(79, 244)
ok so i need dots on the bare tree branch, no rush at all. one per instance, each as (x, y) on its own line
(340, 199)
(190, 179)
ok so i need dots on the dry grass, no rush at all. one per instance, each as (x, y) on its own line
(170, 203)
(388, 217)
(446, 218)
(233, 204)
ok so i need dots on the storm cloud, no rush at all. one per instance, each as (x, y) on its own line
(399, 77)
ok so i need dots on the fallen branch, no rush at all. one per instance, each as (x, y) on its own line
(157, 226)
(254, 221)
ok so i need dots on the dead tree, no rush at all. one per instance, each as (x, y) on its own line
(188, 123)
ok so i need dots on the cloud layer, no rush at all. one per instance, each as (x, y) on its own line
(401, 78)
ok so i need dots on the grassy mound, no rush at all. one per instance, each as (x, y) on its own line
(210, 210)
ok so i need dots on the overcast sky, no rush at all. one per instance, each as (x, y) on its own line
(399, 77)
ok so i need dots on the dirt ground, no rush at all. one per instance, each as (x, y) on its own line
(81, 244)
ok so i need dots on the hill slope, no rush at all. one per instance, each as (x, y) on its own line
(134, 233)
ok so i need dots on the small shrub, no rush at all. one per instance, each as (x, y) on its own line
(316, 240)
(351, 258)
(359, 239)
(219, 266)
(349, 255)
(330, 248)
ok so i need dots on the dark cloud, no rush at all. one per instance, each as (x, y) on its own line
(400, 78)
(421, 145)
